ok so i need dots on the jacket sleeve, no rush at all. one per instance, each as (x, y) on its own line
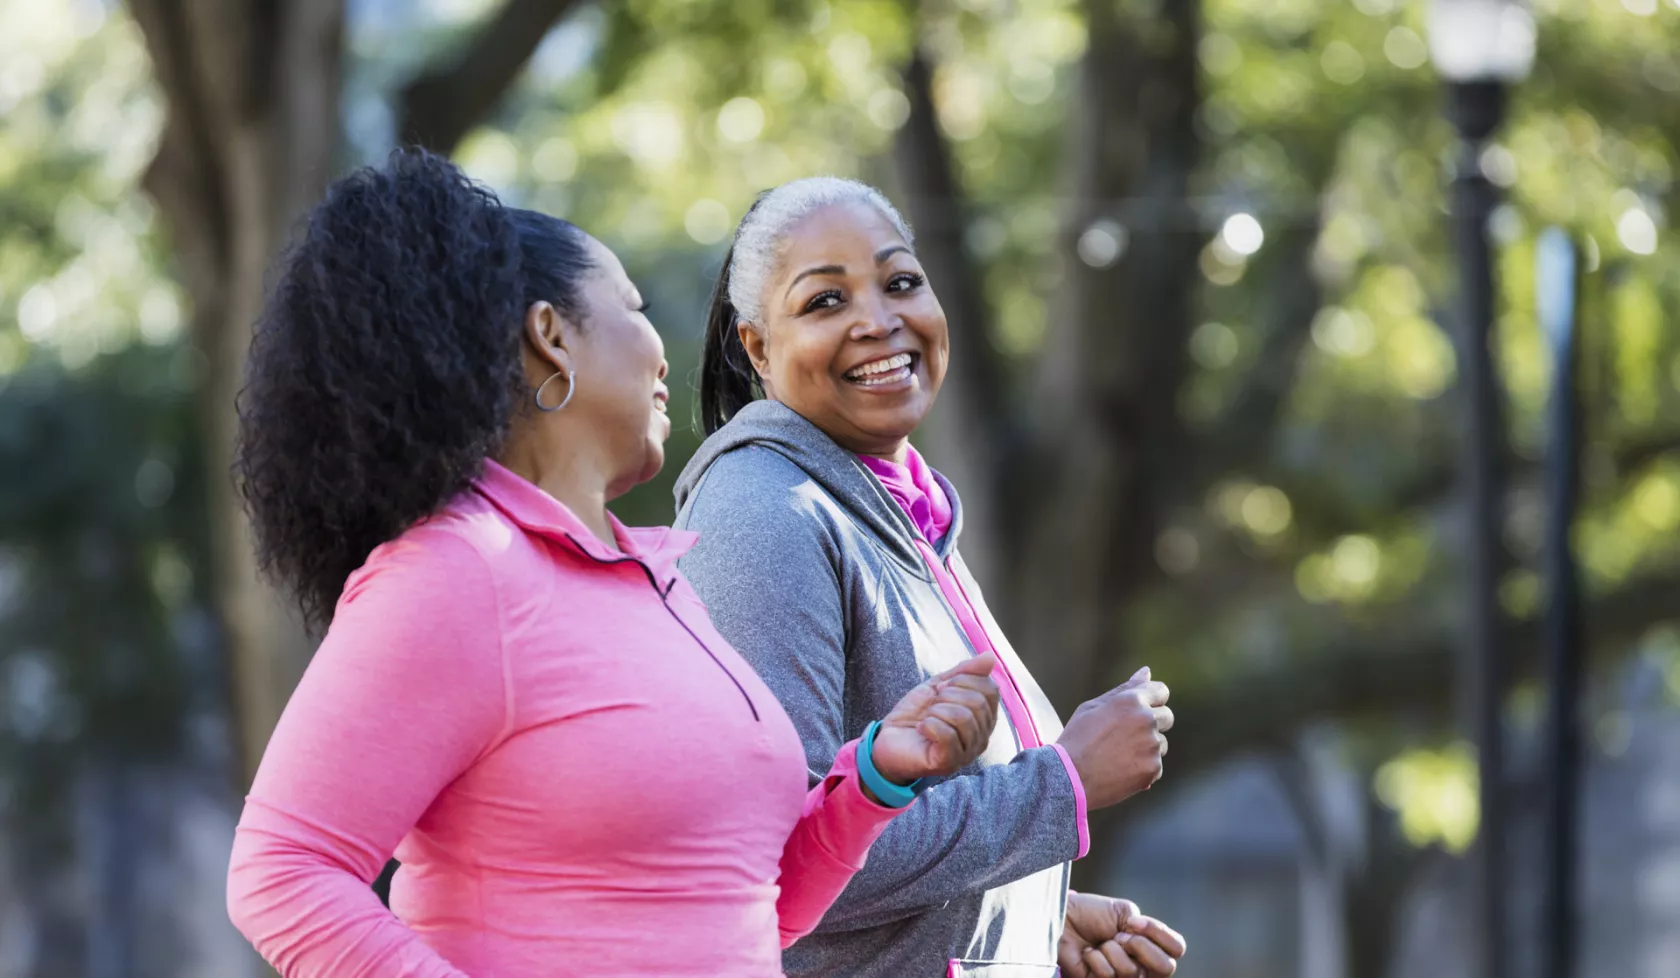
(769, 571)
(827, 847)
(404, 694)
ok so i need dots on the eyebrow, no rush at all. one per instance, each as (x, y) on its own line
(880, 256)
(817, 270)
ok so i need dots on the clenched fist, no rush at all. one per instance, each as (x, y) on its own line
(1117, 740)
(940, 726)
(1108, 938)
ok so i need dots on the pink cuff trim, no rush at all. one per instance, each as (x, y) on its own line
(1078, 800)
(851, 821)
(843, 774)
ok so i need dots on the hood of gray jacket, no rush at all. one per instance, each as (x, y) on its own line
(774, 425)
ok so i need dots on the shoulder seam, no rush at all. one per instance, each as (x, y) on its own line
(506, 667)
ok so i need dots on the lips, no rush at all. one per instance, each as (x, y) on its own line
(891, 369)
(661, 400)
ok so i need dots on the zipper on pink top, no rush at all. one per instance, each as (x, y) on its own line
(665, 599)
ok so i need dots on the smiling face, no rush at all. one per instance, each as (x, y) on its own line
(618, 416)
(853, 338)
(623, 362)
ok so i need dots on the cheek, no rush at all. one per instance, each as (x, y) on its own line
(653, 348)
(935, 335)
(802, 361)
(620, 379)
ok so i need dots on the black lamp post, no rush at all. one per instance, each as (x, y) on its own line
(1557, 277)
(1479, 47)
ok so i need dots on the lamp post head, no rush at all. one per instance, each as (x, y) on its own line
(1481, 40)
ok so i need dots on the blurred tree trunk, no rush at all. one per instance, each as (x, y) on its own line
(250, 142)
(1374, 882)
(1069, 539)
(1116, 351)
(1375, 893)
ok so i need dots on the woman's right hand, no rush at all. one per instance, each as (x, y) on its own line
(1117, 741)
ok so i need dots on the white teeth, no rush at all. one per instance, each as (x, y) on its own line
(889, 365)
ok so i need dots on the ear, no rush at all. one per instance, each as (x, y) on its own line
(752, 340)
(547, 333)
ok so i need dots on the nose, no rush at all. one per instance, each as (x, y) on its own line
(876, 321)
(664, 368)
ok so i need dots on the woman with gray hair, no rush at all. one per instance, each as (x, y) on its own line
(828, 557)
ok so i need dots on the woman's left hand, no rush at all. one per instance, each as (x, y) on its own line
(1108, 938)
(940, 726)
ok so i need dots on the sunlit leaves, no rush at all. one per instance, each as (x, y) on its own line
(1434, 793)
(1634, 529)
(1641, 327)
(78, 273)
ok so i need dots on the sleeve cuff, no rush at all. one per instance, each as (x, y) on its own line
(851, 821)
(1078, 800)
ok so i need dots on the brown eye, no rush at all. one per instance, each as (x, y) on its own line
(908, 282)
(823, 300)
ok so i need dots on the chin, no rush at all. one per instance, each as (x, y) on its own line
(896, 424)
(654, 461)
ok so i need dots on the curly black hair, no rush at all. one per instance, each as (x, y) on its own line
(386, 364)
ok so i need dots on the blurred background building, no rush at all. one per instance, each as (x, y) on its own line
(1206, 409)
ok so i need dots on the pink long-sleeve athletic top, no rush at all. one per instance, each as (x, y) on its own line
(577, 773)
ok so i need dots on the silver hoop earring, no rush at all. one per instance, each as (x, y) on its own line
(571, 388)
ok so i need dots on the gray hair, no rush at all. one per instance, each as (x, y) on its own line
(758, 241)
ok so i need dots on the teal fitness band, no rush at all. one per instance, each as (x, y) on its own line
(891, 795)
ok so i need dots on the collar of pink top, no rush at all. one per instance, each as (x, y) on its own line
(916, 490)
(656, 547)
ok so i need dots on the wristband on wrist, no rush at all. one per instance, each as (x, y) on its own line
(891, 795)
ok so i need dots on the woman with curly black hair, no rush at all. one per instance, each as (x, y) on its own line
(518, 696)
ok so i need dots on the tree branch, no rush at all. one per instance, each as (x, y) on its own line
(1436, 478)
(1365, 674)
(1637, 454)
(441, 104)
(1382, 673)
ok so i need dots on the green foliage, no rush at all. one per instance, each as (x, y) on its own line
(654, 122)
(1326, 115)
(107, 644)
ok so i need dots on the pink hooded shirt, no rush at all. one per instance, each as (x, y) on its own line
(578, 774)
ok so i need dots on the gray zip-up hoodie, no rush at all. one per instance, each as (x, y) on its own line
(811, 570)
